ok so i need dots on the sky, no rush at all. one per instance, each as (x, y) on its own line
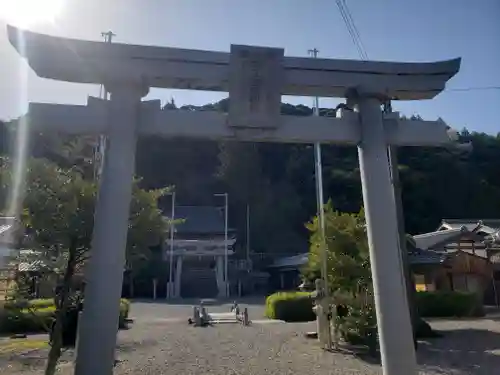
(391, 30)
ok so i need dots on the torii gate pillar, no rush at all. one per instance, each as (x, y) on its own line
(380, 212)
(96, 351)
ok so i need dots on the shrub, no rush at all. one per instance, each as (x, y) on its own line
(449, 304)
(290, 307)
(41, 303)
(359, 326)
(36, 315)
(25, 322)
(124, 311)
(125, 305)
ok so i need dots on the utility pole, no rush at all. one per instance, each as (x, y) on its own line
(248, 237)
(226, 250)
(101, 142)
(317, 160)
(321, 221)
(170, 288)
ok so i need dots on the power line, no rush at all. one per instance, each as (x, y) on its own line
(355, 29)
(358, 43)
(351, 28)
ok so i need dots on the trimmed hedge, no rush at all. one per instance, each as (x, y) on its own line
(290, 307)
(33, 316)
(25, 322)
(449, 304)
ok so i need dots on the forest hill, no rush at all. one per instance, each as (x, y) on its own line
(277, 180)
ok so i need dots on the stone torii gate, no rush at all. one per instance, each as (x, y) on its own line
(256, 78)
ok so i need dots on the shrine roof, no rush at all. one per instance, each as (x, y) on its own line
(426, 257)
(7, 227)
(426, 241)
(415, 257)
(488, 226)
(199, 220)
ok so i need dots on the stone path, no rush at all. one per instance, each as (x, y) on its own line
(170, 346)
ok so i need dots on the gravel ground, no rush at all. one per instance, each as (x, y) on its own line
(160, 342)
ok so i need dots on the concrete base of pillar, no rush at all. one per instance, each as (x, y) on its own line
(170, 290)
(222, 290)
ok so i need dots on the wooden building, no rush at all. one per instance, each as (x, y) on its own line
(457, 271)
(463, 258)
(456, 257)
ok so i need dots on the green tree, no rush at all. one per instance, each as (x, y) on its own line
(348, 259)
(147, 226)
(348, 272)
(58, 211)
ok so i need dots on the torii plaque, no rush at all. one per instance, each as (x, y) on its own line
(256, 77)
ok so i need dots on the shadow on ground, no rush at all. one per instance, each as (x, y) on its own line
(464, 351)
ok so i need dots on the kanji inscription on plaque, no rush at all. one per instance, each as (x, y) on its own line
(255, 83)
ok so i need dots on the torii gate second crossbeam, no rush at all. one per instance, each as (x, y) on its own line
(256, 78)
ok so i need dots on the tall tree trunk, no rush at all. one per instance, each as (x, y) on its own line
(56, 347)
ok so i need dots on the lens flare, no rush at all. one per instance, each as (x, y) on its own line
(25, 13)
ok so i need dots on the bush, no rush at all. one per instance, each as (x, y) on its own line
(41, 303)
(36, 315)
(290, 307)
(124, 311)
(449, 304)
(20, 321)
(359, 326)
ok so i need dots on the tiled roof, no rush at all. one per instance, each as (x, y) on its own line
(437, 257)
(29, 261)
(427, 240)
(486, 225)
(291, 261)
(493, 240)
(7, 224)
(414, 257)
(495, 258)
(422, 257)
(37, 265)
(199, 220)
(4, 228)
(481, 253)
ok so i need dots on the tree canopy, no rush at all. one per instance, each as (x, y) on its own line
(58, 211)
(348, 259)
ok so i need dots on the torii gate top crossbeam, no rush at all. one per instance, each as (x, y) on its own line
(80, 61)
